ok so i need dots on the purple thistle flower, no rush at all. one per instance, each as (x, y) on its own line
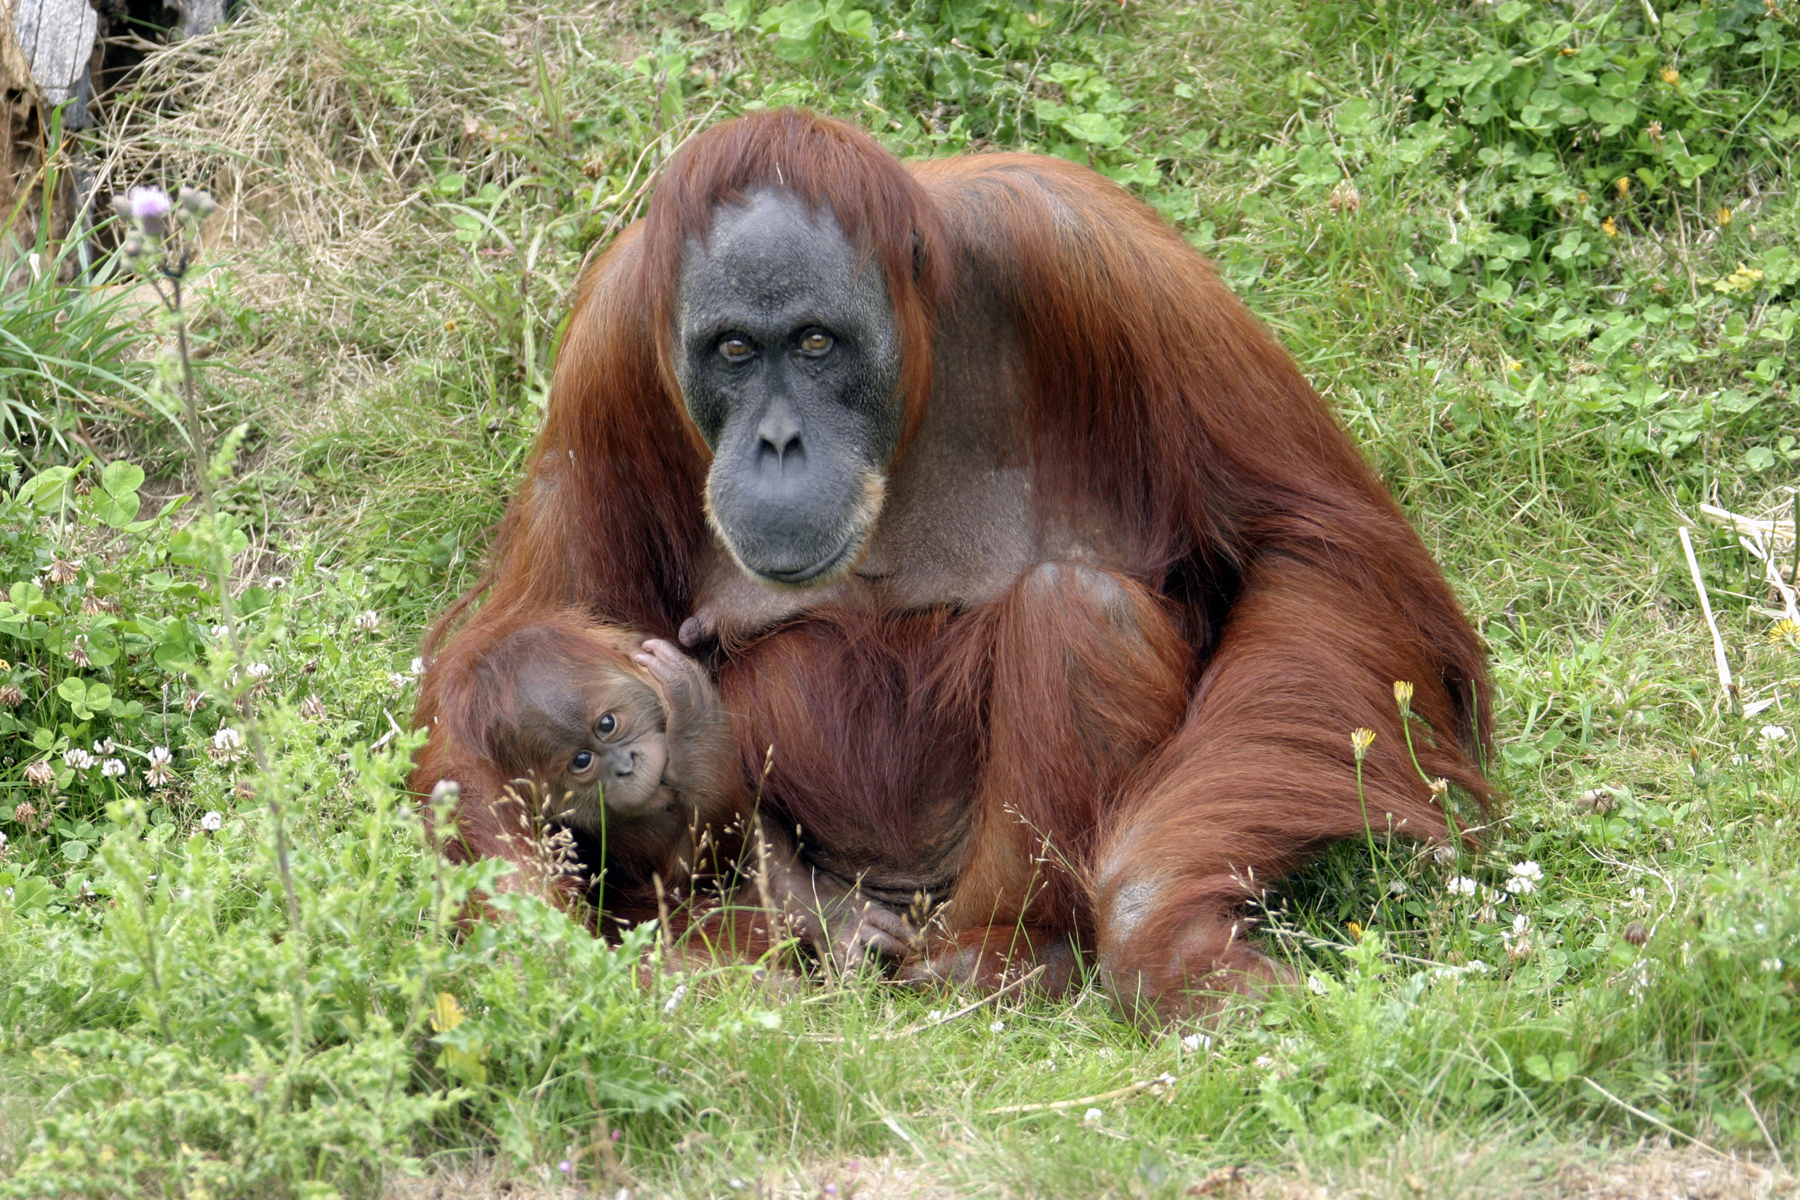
(148, 202)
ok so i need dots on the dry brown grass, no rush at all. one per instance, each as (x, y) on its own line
(1410, 1171)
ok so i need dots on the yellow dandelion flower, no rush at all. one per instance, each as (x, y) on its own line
(1671, 76)
(1355, 930)
(1609, 227)
(1785, 630)
(1360, 741)
(1403, 694)
(1624, 186)
(1581, 197)
(1723, 215)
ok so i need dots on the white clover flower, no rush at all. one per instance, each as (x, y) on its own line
(2, 842)
(1525, 878)
(276, 582)
(112, 768)
(104, 746)
(258, 670)
(366, 622)
(1461, 885)
(399, 681)
(219, 632)
(675, 999)
(997, 1027)
(1264, 1061)
(1195, 1042)
(78, 758)
(212, 822)
(1317, 986)
(1773, 733)
(1092, 1116)
(1521, 923)
(1397, 887)
(1444, 854)
(159, 771)
(418, 666)
(1637, 893)
(227, 744)
(935, 1015)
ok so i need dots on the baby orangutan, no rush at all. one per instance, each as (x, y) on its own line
(624, 741)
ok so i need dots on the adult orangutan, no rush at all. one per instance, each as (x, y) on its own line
(1053, 586)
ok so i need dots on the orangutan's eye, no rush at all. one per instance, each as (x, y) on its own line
(815, 343)
(606, 724)
(582, 761)
(736, 349)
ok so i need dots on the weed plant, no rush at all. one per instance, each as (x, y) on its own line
(1544, 259)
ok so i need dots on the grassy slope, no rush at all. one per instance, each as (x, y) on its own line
(389, 375)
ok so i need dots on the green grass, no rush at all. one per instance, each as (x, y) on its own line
(1550, 373)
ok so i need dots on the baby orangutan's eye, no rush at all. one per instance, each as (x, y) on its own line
(582, 761)
(606, 724)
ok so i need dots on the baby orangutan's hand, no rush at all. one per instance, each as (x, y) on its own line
(695, 719)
